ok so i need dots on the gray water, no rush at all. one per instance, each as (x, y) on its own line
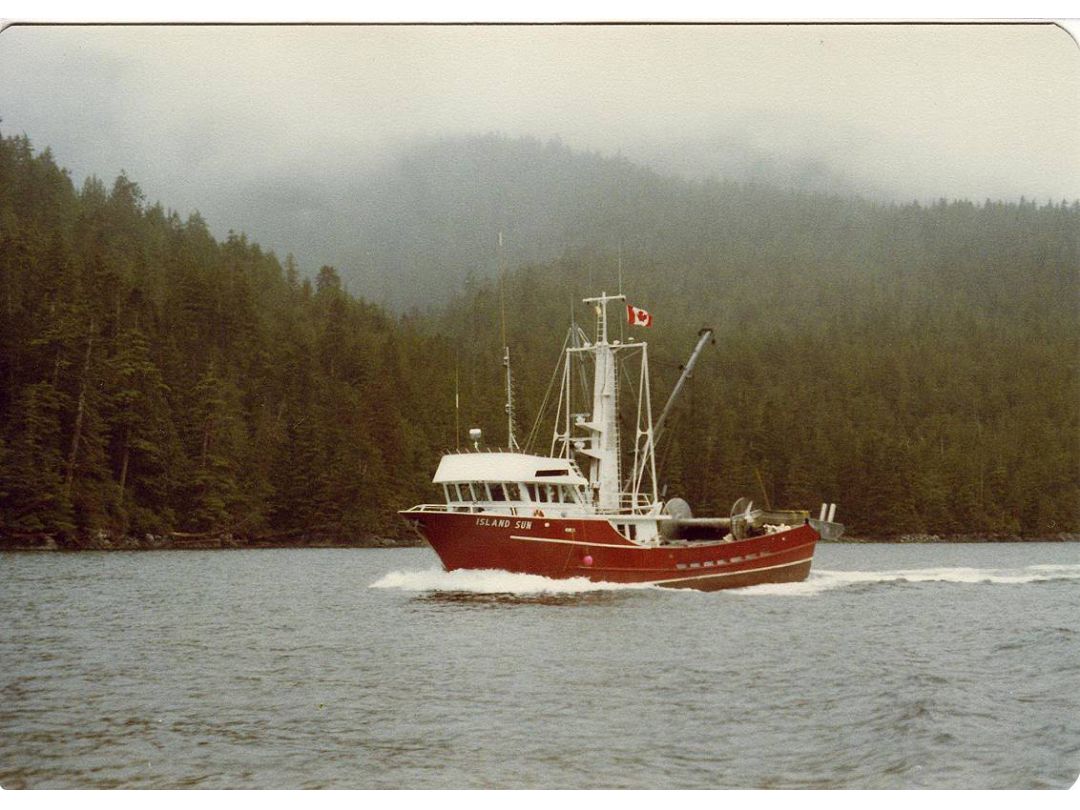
(891, 667)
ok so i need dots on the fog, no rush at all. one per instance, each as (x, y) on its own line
(258, 125)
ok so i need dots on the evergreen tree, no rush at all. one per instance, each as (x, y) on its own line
(915, 364)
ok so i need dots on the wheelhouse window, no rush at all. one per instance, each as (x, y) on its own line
(566, 494)
(511, 492)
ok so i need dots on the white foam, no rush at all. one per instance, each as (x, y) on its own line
(490, 582)
(1069, 571)
(821, 580)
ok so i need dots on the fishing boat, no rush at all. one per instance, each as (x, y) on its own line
(591, 506)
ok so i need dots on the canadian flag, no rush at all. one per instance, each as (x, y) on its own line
(637, 317)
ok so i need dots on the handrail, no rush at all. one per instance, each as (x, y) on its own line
(643, 508)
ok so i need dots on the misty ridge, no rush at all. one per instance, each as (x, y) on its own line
(409, 230)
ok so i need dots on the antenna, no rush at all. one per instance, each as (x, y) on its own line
(622, 321)
(502, 288)
(511, 442)
(457, 404)
(620, 267)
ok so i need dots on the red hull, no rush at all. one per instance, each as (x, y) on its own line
(559, 548)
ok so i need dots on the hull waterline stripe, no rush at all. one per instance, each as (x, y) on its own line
(623, 545)
(575, 542)
(729, 573)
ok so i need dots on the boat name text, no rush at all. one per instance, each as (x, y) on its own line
(503, 523)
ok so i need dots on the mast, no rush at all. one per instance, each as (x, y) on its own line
(603, 448)
(511, 442)
(595, 435)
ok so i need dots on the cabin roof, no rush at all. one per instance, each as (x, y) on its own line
(519, 467)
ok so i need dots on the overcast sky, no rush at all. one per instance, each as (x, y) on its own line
(906, 111)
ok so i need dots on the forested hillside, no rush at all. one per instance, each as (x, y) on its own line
(155, 379)
(916, 364)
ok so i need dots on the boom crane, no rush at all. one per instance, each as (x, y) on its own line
(658, 429)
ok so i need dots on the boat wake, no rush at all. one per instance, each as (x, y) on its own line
(821, 581)
(491, 582)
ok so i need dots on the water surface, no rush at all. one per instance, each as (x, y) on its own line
(892, 666)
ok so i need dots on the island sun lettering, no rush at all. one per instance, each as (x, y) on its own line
(503, 523)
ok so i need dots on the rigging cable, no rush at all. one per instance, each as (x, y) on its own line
(535, 432)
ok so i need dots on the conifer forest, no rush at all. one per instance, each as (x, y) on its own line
(915, 363)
